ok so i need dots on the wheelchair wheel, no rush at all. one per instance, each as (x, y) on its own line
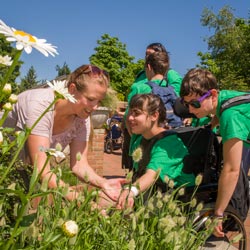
(235, 233)
(108, 146)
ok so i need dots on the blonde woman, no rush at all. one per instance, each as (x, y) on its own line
(66, 123)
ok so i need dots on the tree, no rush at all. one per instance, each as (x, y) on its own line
(29, 81)
(229, 48)
(64, 70)
(7, 49)
(112, 56)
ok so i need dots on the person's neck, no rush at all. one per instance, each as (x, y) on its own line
(152, 132)
(62, 108)
(157, 77)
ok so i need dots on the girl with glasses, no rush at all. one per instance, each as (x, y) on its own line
(200, 93)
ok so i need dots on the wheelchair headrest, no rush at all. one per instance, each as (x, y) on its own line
(181, 110)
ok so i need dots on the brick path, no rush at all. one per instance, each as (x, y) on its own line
(112, 167)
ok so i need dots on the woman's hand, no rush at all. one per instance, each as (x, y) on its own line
(112, 187)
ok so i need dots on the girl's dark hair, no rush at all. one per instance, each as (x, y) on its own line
(157, 47)
(197, 81)
(149, 103)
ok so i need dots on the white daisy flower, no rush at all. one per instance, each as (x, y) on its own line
(53, 152)
(5, 60)
(70, 228)
(61, 90)
(26, 41)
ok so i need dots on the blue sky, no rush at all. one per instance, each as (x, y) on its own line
(75, 26)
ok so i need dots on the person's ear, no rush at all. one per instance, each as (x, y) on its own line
(72, 88)
(155, 116)
(214, 94)
(149, 67)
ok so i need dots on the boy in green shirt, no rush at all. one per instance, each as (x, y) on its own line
(199, 91)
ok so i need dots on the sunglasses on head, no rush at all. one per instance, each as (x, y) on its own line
(94, 70)
(97, 71)
(197, 103)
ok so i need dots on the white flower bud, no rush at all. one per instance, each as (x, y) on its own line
(13, 98)
(7, 88)
(7, 106)
(70, 228)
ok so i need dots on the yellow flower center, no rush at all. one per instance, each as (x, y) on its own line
(22, 33)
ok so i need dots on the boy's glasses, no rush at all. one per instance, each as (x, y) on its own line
(197, 103)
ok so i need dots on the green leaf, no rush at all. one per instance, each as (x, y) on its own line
(28, 220)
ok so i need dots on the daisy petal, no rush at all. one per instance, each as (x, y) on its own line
(26, 41)
(28, 49)
(60, 88)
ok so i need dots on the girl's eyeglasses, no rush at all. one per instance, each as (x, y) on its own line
(197, 103)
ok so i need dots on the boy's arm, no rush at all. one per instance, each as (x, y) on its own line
(232, 152)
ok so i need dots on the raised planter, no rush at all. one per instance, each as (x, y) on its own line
(99, 117)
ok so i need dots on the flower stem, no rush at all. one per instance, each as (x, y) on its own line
(5, 114)
(23, 207)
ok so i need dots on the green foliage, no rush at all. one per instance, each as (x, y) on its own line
(7, 49)
(163, 222)
(111, 55)
(111, 100)
(229, 48)
(64, 70)
(29, 81)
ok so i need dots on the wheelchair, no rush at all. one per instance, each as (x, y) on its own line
(233, 223)
(210, 151)
(235, 233)
(114, 137)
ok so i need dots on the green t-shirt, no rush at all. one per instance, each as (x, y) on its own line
(234, 121)
(167, 154)
(196, 122)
